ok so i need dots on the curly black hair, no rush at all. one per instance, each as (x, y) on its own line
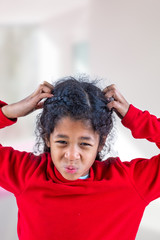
(80, 99)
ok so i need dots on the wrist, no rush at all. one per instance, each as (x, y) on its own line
(125, 110)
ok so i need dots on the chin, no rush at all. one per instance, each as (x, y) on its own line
(71, 178)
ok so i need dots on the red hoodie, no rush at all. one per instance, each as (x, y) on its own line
(108, 205)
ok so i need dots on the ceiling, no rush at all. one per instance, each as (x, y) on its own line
(35, 11)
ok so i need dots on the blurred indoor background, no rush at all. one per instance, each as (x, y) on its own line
(117, 40)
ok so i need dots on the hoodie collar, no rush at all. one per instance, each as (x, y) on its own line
(56, 176)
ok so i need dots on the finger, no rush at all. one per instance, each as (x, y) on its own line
(112, 94)
(109, 88)
(120, 108)
(40, 105)
(41, 89)
(45, 88)
(44, 95)
(113, 105)
(40, 99)
(48, 85)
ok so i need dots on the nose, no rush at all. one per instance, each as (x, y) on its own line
(72, 154)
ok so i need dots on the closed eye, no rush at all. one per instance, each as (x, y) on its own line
(61, 142)
(85, 144)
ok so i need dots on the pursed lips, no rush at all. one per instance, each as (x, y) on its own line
(71, 169)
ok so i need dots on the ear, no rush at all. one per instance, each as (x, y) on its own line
(102, 144)
(47, 141)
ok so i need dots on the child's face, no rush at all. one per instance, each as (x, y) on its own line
(73, 145)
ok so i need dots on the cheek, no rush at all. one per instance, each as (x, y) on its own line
(90, 157)
(56, 155)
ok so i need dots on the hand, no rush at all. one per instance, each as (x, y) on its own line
(30, 103)
(119, 103)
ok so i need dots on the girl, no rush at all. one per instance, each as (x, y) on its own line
(67, 192)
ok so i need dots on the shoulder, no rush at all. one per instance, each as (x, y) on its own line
(107, 168)
(109, 162)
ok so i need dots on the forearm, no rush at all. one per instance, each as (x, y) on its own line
(9, 111)
(30, 103)
(19, 109)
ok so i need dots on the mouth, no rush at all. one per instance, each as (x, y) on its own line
(71, 169)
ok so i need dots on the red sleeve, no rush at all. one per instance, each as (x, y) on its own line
(142, 124)
(16, 167)
(144, 173)
(4, 121)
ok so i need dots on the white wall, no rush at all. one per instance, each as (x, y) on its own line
(65, 31)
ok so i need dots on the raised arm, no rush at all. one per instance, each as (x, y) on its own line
(30, 103)
(144, 174)
(141, 123)
(16, 167)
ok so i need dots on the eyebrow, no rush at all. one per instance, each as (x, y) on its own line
(66, 137)
(61, 136)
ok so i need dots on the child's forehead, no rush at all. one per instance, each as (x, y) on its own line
(68, 121)
(68, 127)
